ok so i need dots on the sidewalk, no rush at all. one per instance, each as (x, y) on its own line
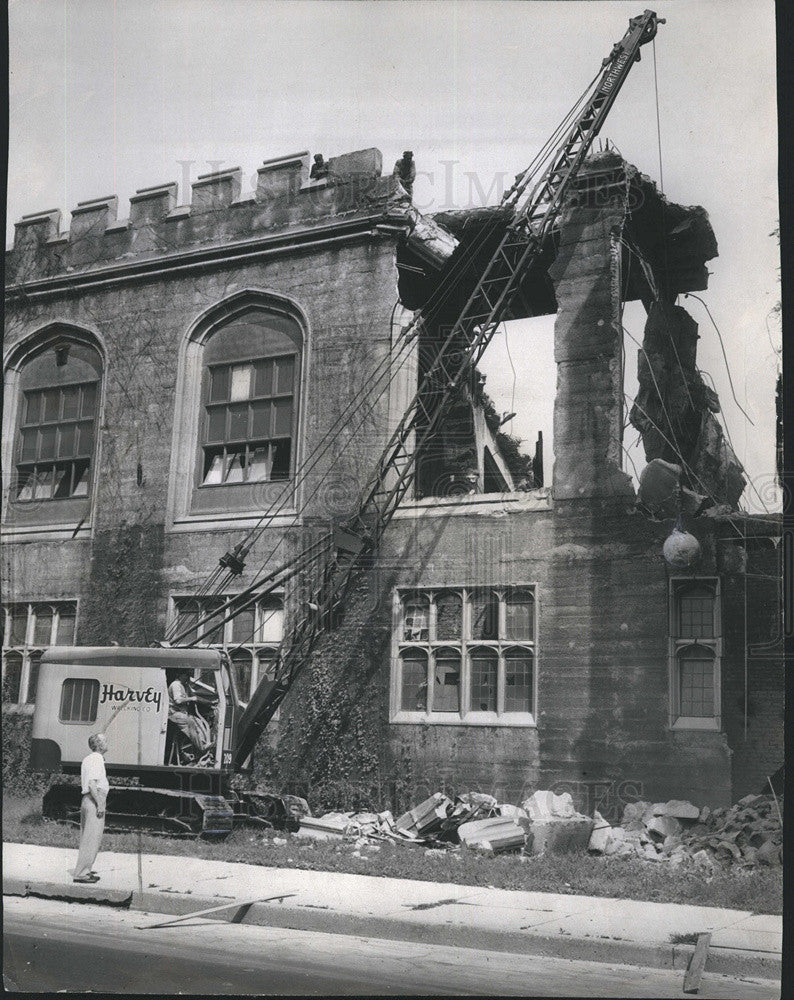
(565, 926)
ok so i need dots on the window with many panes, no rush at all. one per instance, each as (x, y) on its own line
(29, 629)
(695, 649)
(465, 655)
(58, 400)
(251, 638)
(249, 416)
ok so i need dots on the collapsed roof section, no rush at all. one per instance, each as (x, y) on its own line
(672, 244)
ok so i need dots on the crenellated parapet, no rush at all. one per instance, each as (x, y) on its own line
(284, 197)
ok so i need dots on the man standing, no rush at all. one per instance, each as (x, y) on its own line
(95, 789)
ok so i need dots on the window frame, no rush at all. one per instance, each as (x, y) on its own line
(466, 646)
(677, 644)
(78, 722)
(254, 646)
(30, 649)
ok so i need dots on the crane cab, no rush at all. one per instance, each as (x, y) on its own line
(128, 693)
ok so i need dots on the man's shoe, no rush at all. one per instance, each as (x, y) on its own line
(86, 878)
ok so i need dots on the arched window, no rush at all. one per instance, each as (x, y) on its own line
(695, 652)
(519, 615)
(250, 394)
(416, 618)
(57, 395)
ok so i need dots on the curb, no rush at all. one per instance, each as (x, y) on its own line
(280, 913)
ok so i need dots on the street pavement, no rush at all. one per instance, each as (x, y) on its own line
(53, 945)
(553, 926)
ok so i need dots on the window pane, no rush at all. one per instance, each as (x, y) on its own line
(286, 374)
(216, 423)
(240, 387)
(86, 439)
(519, 615)
(449, 617)
(79, 700)
(47, 443)
(484, 615)
(235, 465)
(238, 422)
(66, 441)
(446, 689)
(65, 634)
(213, 630)
(263, 382)
(282, 419)
(243, 666)
(62, 482)
(415, 618)
(33, 678)
(696, 613)
(71, 402)
(265, 664)
(280, 452)
(696, 680)
(271, 622)
(186, 618)
(28, 450)
(42, 487)
(413, 697)
(42, 628)
(483, 680)
(25, 480)
(213, 467)
(52, 405)
(259, 467)
(243, 626)
(89, 400)
(219, 385)
(19, 625)
(12, 677)
(32, 407)
(518, 680)
(80, 479)
(260, 426)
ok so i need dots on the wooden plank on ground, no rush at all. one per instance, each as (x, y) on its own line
(242, 905)
(697, 964)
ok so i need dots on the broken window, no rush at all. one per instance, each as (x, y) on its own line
(695, 653)
(29, 630)
(249, 421)
(466, 655)
(251, 638)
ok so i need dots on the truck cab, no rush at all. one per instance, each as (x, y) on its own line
(127, 692)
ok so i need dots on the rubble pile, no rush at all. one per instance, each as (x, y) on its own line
(748, 833)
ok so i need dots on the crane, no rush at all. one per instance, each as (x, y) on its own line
(331, 561)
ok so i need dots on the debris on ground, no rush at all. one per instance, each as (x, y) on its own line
(675, 832)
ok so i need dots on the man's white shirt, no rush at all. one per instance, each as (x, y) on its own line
(93, 769)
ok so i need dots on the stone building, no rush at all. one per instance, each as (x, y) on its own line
(172, 376)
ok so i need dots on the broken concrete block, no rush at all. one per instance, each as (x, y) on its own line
(671, 842)
(676, 860)
(330, 827)
(495, 834)
(632, 815)
(705, 812)
(678, 809)
(704, 860)
(386, 819)
(599, 838)
(430, 814)
(617, 842)
(769, 853)
(513, 812)
(558, 835)
(545, 804)
(661, 827)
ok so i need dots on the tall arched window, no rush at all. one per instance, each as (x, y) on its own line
(250, 395)
(56, 392)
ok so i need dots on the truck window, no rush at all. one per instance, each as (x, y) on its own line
(79, 700)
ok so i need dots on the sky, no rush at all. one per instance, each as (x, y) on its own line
(108, 97)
